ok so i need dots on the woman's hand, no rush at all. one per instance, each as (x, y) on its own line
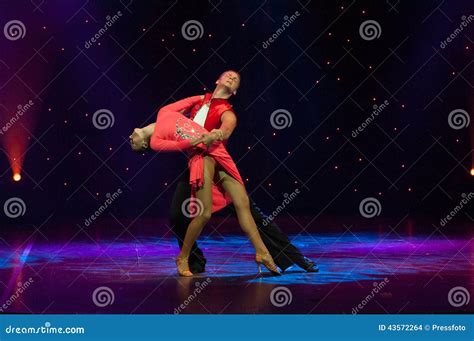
(197, 140)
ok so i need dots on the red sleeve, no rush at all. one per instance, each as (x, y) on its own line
(162, 145)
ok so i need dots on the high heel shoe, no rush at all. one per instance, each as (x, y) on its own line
(267, 261)
(183, 267)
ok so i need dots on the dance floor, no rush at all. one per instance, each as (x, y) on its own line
(411, 275)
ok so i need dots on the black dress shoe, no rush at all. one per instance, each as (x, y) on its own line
(308, 265)
(312, 268)
(197, 268)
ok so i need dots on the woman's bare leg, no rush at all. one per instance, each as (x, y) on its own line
(204, 195)
(241, 203)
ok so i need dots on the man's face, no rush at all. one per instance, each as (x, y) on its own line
(231, 80)
(138, 140)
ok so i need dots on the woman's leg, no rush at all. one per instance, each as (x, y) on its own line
(241, 203)
(204, 195)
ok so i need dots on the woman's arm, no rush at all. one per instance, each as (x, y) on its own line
(161, 145)
(158, 143)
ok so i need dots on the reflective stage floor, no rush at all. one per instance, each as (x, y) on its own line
(359, 273)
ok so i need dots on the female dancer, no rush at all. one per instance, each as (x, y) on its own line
(214, 177)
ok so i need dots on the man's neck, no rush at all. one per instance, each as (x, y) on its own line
(221, 92)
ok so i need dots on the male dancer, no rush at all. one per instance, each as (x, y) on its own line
(216, 115)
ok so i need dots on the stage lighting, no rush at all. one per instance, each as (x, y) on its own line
(16, 177)
(472, 171)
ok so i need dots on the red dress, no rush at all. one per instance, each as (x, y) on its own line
(173, 132)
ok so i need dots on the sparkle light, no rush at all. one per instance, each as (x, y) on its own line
(16, 177)
(472, 171)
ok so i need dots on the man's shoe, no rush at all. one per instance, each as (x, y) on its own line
(313, 268)
(308, 265)
(197, 268)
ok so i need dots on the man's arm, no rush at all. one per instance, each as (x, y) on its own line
(228, 124)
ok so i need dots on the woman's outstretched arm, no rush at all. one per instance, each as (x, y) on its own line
(159, 140)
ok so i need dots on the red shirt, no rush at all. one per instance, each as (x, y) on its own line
(217, 108)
